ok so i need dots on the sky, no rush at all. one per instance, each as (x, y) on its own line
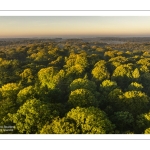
(73, 26)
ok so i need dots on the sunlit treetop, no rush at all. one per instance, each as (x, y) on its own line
(83, 84)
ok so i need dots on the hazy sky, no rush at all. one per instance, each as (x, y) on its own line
(63, 26)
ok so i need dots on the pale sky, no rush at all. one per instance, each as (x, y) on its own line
(72, 26)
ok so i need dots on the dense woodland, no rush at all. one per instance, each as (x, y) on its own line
(75, 86)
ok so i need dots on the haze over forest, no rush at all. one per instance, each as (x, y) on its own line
(74, 26)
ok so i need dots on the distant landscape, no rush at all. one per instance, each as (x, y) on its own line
(91, 85)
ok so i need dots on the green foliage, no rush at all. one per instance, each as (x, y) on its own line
(8, 101)
(105, 88)
(136, 73)
(144, 69)
(147, 131)
(144, 61)
(91, 120)
(61, 126)
(31, 116)
(83, 84)
(119, 59)
(115, 95)
(25, 94)
(114, 101)
(82, 98)
(135, 86)
(49, 95)
(7, 106)
(123, 70)
(100, 71)
(142, 123)
(40, 56)
(8, 71)
(123, 75)
(41, 80)
(59, 79)
(93, 58)
(110, 54)
(81, 60)
(76, 65)
(108, 86)
(135, 102)
(123, 120)
(70, 61)
(145, 79)
(80, 121)
(45, 76)
(9, 90)
(27, 77)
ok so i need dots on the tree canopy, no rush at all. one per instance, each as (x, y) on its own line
(75, 86)
(81, 120)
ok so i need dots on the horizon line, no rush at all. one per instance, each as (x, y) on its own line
(62, 37)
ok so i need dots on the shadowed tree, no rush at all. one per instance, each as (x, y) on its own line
(145, 79)
(142, 123)
(136, 102)
(113, 102)
(9, 71)
(105, 88)
(123, 120)
(27, 77)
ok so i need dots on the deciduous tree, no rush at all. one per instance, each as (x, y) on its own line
(89, 120)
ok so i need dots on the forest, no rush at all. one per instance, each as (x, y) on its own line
(75, 86)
